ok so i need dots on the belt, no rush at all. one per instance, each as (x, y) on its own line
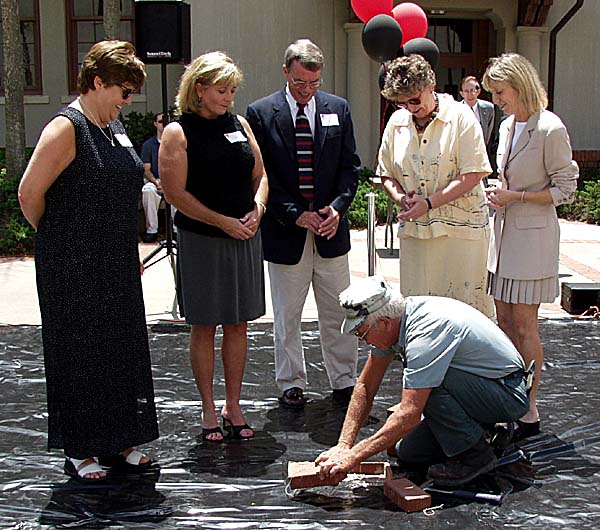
(518, 374)
(527, 375)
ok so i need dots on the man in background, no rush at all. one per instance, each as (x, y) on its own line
(152, 191)
(486, 114)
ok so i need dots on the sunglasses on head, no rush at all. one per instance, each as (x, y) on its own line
(126, 91)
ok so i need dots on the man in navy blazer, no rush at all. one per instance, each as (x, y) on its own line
(306, 240)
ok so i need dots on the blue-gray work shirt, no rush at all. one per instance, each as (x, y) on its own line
(437, 333)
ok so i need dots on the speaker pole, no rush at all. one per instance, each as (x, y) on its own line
(168, 244)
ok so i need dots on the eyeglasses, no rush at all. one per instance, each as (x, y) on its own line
(472, 90)
(361, 336)
(412, 101)
(303, 84)
(159, 121)
(126, 91)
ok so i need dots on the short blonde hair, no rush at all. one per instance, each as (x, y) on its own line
(213, 68)
(520, 74)
(406, 76)
(114, 62)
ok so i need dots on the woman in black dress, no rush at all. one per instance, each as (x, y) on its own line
(81, 191)
(212, 172)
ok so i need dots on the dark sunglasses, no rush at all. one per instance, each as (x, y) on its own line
(159, 121)
(412, 101)
(126, 91)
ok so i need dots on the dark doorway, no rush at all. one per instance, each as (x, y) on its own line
(464, 49)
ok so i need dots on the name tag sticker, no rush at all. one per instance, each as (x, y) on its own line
(236, 136)
(123, 139)
(329, 120)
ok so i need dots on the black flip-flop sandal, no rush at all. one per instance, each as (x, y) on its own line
(234, 432)
(214, 430)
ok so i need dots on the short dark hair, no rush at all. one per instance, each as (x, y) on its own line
(114, 62)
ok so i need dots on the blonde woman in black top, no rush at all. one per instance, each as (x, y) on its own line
(212, 172)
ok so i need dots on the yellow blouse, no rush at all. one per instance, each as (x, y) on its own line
(452, 145)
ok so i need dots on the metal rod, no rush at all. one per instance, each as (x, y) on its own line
(371, 232)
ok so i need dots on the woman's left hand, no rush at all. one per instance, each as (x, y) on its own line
(416, 206)
(252, 219)
(499, 198)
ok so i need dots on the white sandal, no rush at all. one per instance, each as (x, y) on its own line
(135, 457)
(131, 463)
(73, 468)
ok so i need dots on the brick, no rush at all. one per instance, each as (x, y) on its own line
(406, 495)
(381, 469)
(306, 474)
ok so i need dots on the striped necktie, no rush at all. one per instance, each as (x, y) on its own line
(304, 154)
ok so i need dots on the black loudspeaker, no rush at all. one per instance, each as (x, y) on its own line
(162, 32)
(578, 297)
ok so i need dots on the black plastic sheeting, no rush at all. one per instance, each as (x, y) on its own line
(242, 484)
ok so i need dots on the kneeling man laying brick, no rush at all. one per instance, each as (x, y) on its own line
(461, 375)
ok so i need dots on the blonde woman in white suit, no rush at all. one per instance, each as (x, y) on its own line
(537, 174)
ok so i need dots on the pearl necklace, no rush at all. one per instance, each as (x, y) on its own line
(421, 128)
(109, 138)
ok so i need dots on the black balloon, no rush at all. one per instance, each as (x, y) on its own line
(424, 47)
(381, 38)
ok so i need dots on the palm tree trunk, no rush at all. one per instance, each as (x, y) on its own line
(112, 19)
(14, 88)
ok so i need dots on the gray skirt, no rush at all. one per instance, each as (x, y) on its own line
(221, 280)
(512, 291)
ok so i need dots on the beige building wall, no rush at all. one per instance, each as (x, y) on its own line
(577, 84)
(255, 33)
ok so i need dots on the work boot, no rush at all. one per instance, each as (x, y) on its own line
(501, 436)
(465, 466)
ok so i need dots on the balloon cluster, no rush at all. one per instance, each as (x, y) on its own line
(391, 32)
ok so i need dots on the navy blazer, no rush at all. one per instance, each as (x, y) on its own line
(336, 166)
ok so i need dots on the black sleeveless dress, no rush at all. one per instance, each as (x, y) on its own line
(221, 278)
(96, 355)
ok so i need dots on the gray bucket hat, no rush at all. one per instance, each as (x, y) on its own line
(363, 297)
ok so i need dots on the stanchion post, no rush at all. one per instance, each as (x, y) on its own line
(371, 232)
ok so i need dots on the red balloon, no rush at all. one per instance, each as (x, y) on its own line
(367, 9)
(412, 20)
